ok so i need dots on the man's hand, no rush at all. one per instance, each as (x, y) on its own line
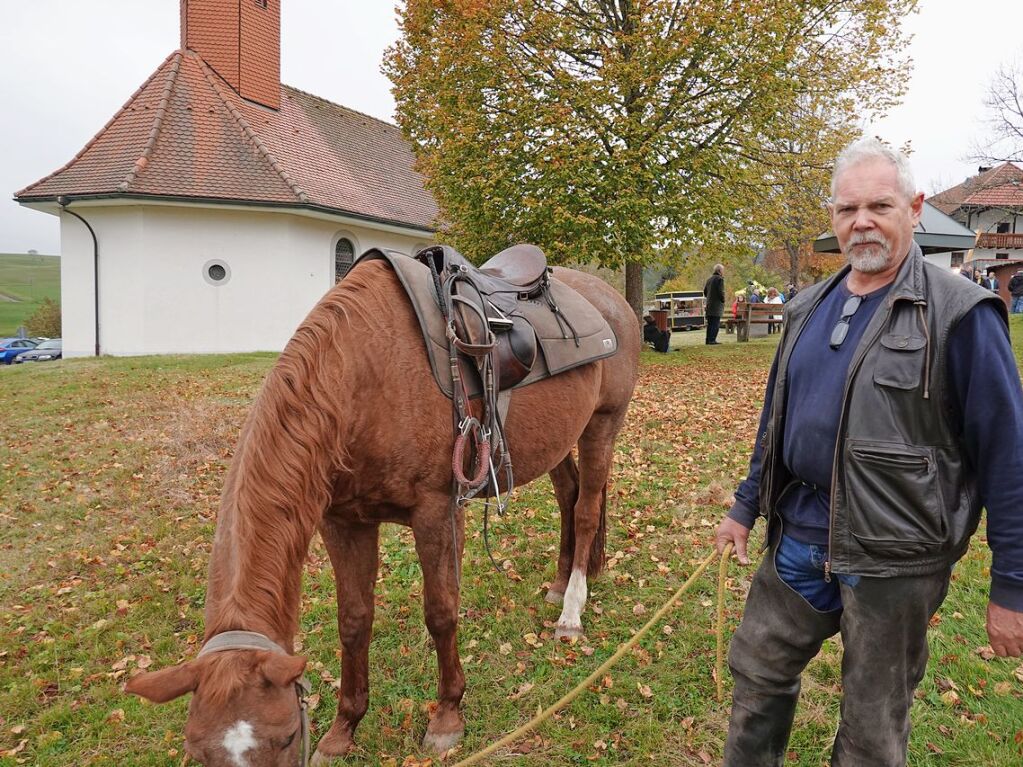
(1005, 630)
(730, 531)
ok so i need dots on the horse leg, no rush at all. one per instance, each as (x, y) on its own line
(438, 554)
(596, 453)
(353, 550)
(565, 478)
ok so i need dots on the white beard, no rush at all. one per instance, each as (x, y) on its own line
(869, 260)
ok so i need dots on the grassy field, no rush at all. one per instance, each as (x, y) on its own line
(109, 480)
(24, 282)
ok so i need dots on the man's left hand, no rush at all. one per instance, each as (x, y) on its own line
(1005, 630)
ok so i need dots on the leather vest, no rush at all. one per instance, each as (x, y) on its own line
(903, 500)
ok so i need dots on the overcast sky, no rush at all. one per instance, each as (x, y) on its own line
(66, 67)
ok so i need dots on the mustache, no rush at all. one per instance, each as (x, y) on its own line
(864, 238)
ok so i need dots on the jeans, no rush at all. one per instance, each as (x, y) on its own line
(883, 623)
(1017, 304)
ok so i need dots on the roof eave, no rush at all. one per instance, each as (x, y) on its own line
(37, 202)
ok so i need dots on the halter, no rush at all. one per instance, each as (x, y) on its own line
(250, 640)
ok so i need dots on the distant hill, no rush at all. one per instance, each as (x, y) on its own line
(25, 280)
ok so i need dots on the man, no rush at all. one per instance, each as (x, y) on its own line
(893, 413)
(1016, 291)
(658, 339)
(992, 279)
(714, 292)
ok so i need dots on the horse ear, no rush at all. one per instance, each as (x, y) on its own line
(282, 670)
(165, 684)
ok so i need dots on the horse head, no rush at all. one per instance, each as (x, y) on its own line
(247, 707)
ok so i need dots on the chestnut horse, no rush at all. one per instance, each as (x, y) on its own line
(351, 430)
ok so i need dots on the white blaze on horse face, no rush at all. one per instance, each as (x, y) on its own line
(237, 740)
(575, 600)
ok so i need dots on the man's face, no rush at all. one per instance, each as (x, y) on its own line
(872, 218)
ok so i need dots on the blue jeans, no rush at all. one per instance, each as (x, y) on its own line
(801, 567)
(1017, 304)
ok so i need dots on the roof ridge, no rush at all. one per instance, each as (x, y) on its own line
(102, 130)
(341, 106)
(154, 132)
(247, 129)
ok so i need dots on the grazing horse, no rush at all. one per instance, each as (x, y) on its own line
(350, 430)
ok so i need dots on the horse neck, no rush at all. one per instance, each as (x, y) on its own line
(279, 485)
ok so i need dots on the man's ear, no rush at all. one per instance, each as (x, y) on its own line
(282, 670)
(165, 684)
(917, 207)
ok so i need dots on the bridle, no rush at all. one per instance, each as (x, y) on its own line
(250, 640)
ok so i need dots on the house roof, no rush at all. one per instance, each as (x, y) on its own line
(1001, 186)
(186, 134)
(936, 233)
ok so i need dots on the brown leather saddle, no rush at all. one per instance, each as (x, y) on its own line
(480, 303)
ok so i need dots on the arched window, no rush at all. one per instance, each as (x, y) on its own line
(344, 257)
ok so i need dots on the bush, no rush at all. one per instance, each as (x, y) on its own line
(45, 320)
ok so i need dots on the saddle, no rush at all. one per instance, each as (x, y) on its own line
(481, 303)
(488, 331)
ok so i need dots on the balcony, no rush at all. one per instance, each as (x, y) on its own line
(1000, 241)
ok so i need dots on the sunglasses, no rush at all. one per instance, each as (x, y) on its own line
(852, 303)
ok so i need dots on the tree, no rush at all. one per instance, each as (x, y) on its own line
(1004, 102)
(45, 320)
(619, 129)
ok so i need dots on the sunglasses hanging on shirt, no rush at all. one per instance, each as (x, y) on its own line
(841, 330)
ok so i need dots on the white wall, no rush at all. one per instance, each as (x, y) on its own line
(154, 298)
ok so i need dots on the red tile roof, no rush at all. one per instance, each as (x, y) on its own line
(997, 187)
(186, 134)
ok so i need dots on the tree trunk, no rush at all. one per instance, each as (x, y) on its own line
(634, 289)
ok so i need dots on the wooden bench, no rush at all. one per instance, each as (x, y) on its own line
(759, 313)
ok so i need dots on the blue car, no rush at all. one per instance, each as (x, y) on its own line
(12, 347)
(50, 349)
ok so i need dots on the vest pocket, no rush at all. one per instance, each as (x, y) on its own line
(893, 498)
(899, 361)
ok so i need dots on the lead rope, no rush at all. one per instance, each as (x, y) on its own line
(574, 693)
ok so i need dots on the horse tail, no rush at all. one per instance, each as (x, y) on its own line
(598, 550)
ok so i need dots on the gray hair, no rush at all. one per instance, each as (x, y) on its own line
(719, 268)
(867, 149)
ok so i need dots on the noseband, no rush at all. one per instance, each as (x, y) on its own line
(250, 640)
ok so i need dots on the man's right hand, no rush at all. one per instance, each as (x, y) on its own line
(730, 531)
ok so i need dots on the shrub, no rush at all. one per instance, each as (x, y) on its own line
(45, 320)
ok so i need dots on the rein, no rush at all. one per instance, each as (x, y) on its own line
(250, 640)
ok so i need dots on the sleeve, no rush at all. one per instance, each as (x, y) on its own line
(986, 402)
(746, 508)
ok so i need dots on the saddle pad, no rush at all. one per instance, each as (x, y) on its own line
(558, 353)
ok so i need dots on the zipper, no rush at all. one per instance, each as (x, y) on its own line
(853, 370)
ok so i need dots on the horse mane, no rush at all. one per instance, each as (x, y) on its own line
(290, 453)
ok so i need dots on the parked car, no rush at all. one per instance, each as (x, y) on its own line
(47, 350)
(12, 347)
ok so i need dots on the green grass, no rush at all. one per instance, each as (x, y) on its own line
(27, 280)
(109, 480)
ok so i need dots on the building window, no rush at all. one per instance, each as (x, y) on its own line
(216, 272)
(957, 257)
(260, 3)
(344, 257)
(1003, 228)
(1001, 255)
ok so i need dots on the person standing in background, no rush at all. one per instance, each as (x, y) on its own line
(714, 293)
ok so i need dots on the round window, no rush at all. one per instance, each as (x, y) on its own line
(216, 272)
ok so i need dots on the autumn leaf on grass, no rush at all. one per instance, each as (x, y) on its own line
(644, 690)
(524, 688)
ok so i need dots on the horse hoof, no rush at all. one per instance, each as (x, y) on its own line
(438, 744)
(319, 760)
(568, 632)
(554, 597)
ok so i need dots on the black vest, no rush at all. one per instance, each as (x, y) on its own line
(903, 500)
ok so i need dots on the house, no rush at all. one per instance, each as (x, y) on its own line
(218, 205)
(990, 204)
